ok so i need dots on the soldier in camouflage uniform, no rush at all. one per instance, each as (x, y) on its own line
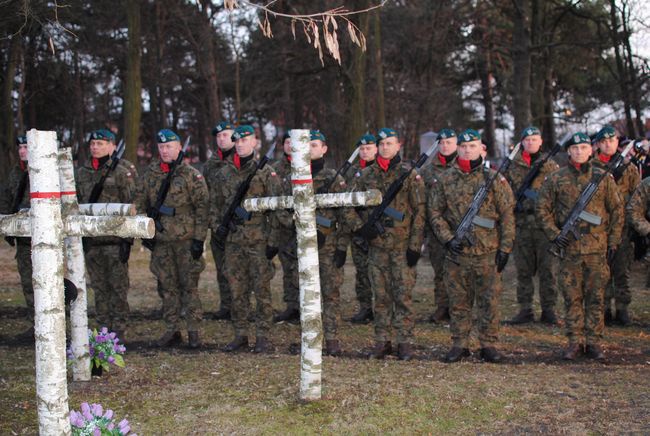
(531, 244)
(246, 266)
(583, 272)
(638, 213)
(107, 256)
(618, 287)
(367, 154)
(19, 181)
(225, 150)
(445, 157)
(475, 273)
(176, 259)
(393, 255)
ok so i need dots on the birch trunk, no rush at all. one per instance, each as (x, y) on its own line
(82, 225)
(343, 199)
(107, 209)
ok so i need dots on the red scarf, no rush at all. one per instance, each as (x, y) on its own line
(383, 163)
(95, 164)
(464, 164)
(526, 157)
(220, 153)
(237, 161)
(576, 165)
(288, 158)
(603, 158)
(23, 165)
(442, 159)
(362, 163)
(164, 167)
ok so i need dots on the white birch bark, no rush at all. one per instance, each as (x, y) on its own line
(85, 225)
(107, 209)
(343, 199)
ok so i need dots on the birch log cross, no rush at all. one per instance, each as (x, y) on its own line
(47, 228)
(304, 204)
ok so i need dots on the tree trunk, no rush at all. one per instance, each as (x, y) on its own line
(487, 85)
(209, 65)
(356, 121)
(636, 100)
(133, 88)
(622, 78)
(7, 109)
(521, 62)
(379, 71)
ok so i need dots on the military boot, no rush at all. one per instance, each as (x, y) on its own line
(623, 317)
(222, 314)
(548, 317)
(332, 347)
(170, 338)
(193, 339)
(381, 350)
(572, 352)
(238, 343)
(262, 345)
(523, 317)
(456, 354)
(405, 351)
(440, 315)
(492, 355)
(595, 352)
(363, 316)
(289, 314)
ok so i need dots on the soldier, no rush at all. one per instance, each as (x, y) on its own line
(531, 244)
(107, 257)
(225, 150)
(176, 259)
(638, 212)
(618, 287)
(246, 266)
(393, 255)
(15, 196)
(583, 272)
(475, 273)
(367, 153)
(446, 156)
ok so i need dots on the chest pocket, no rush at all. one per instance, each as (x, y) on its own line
(178, 193)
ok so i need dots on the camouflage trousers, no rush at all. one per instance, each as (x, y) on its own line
(331, 279)
(24, 262)
(287, 255)
(582, 281)
(225, 296)
(109, 279)
(392, 284)
(437, 258)
(178, 279)
(362, 284)
(248, 270)
(618, 286)
(474, 278)
(532, 258)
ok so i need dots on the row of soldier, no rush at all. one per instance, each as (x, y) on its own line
(430, 202)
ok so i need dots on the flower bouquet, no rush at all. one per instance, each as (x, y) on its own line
(92, 421)
(105, 349)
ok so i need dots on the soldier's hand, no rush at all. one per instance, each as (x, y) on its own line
(561, 241)
(454, 246)
(412, 257)
(196, 249)
(149, 244)
(125, 251)
(10, 240)
(339, 258)
(270, 252)
(368, 232)
(320, 237)
(611, 253)
(500, 260)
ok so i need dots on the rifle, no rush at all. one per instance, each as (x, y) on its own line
(115, 159)
(639, 157)
(234, 208)
(15, 205)
(578, 211)
(463, 232)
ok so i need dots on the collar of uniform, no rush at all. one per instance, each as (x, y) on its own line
(164, 167)
(98, 163)
(241, 162)
(317, 165)
(580, 168)
(469, 166)
(287, 157)
(529, 158)
(447, 160)
(23, 165)
(604, 158)
(223, 155)
(365, 163)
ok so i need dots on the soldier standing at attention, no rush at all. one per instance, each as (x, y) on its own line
(176, 259)
(531, 244)
(475, 273)
(393, 255)
(583, 272)
(618, 287)
(367, 154)
(446, 156)
(224, 152)
(107, 257)
(638, 211)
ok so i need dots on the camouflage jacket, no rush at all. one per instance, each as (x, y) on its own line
(210, 172)
(429, 174)
(119, 187)
(516, 174)
(560, 192)
(354, 172)
(450, 197)
(638, 208)
(410, 201)
(282, 220)
(10, 190)
(628, 181)
(188, 195)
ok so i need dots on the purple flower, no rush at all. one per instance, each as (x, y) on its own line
(111, 359)
(97, 432)
(77, 419)
(123, 426)
(97, 409)
(102, 355)
(104, 331)
(110, 426)
(112, 336)
(108, 414)
(85, 410)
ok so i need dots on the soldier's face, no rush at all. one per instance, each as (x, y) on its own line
(532, 143)
(100, 148)
(22, 152)
(317, 149)
(286, 146)
(368, 152)
(470, 150)
(169, 151)
(246, 145)
(448, 145)
(579, 153)
(608, 146)
(389, 147)
(224, 140)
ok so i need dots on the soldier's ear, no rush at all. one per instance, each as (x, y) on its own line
(324, 148)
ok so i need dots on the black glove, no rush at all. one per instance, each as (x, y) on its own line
(455, 247)
(561, 241)
(220, 236)
(196, 249)
(339, 258)
(125, 251)
(500, 260)
(611, 253)
(10, 240)
(270, 252)
(148, 244)
(320, 237)
(69, 291)
(412, 257)
(368, 232)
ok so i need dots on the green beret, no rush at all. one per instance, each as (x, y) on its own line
(469, 135)
(224, 125)
(605, 133)
(577, 138)
(103, 134)
(166, 135)
(386, 132)
(446, 133)
(367, 139)
(21, 139)
(242, 132)
(316, 135)
(530, 131)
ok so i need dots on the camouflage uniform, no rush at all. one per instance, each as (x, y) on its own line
(109, 277)
(618, 286)
(391, 279)
(638, 213)
(210, 171)
(583, 272)
(474, 277)
(531, 244)
(171, 262)
(23, 245)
